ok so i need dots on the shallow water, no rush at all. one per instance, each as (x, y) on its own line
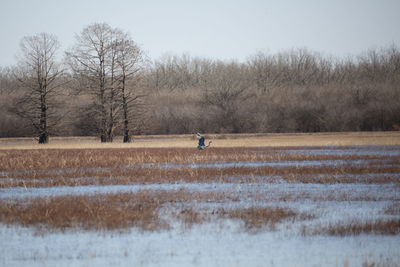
(256, 164)
(376, 191)
(356, 150)
(223, 242)
(206, 245)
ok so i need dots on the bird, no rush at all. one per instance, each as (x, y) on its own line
(201, 145)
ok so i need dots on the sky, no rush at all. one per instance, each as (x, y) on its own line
(216, 29)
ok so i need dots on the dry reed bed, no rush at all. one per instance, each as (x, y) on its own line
(60, 167)
(145, 210)
(256, 218)
(52, 159)
(116, 211)
(378, 227)
(39, 168)
(142, 210)
(393, 209)
(304, 196)
(153, 175)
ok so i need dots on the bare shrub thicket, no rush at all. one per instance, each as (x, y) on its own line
(292, 91)
(10, 124)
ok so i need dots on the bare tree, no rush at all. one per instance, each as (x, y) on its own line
(38, 74)
(294, 90)
(89, 62)
(105, 58)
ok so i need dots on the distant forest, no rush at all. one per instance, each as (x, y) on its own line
(105, 86)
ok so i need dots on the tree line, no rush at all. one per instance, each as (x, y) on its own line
(105, 86)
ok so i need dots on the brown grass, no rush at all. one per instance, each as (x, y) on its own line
(379, 227)
(145, 210)
(124, 165)
(256, 218)
(225, 140)
(190, 217)
(112, 176)
(105, 211)
(393, 209)
(91, 158)
(142, 210)
(38, 168)
(109, 212)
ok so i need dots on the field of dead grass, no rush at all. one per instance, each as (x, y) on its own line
(219, 140)
(146, 210)
(260, 180)
(379, 227)
(74, 167)
(121, 211)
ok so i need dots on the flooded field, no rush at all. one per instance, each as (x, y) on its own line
(225, 206)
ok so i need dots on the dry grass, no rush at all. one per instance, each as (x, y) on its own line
(103, 211)
(225, 140)
(306, 196)
(256, 218)
(91, 158)
(59, 167)
(382, 262)
(131, 164)
(190, 217)
(87, 212)
(393, 209)
(151, 175)
(145, 210)
(116, 211)
(379, 227)
(142, 210)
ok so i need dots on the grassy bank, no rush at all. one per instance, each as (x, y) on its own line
(219, 140)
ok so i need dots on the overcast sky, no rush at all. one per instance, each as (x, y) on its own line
(218, 29)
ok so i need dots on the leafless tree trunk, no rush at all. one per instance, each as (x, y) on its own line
(296, 90)
(39, 74)
(90, 61)
(106, 58)
(130, 63)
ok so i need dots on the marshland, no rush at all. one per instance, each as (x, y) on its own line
(152, 203)
(99, 160)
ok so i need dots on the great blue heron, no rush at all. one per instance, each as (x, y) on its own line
(201, 145)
